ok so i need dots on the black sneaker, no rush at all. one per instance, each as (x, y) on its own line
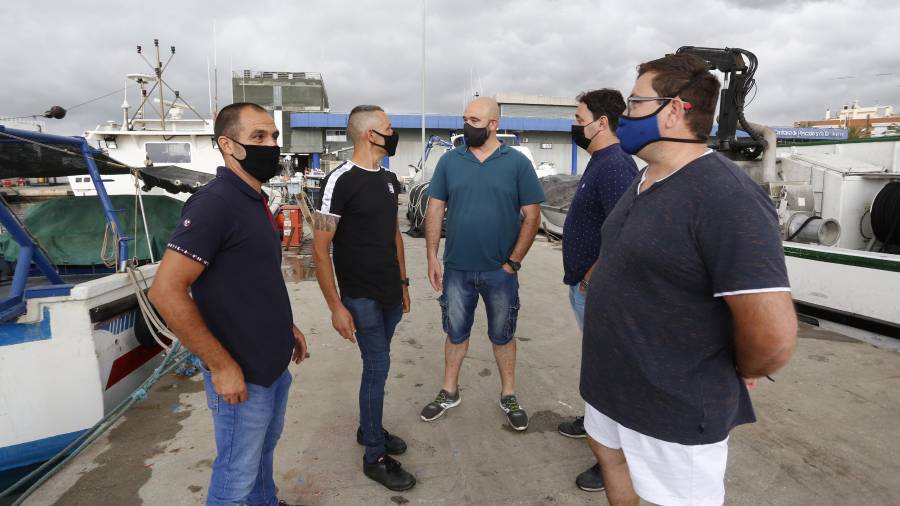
(444, 401)
(393, 445)
(389, 473)
(591, 480)
(515, 415)
(573, 428)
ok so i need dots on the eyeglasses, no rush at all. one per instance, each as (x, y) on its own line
(630, 101)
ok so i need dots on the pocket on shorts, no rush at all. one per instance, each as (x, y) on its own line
(445, 313)
(511, 320)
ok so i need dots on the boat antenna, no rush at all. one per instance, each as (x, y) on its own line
(159, 79)
(215, 72)
(424, 18)
(209, 87)
(159, 69)
(125, 107)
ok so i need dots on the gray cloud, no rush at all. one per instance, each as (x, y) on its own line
(368, 51)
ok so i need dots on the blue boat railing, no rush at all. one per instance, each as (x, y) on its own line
(30, 252)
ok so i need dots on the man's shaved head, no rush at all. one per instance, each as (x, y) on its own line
(485, 108)
(362, 118)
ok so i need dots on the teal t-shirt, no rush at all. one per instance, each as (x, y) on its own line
(483, 205)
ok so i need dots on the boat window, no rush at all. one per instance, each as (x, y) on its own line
(168, 152)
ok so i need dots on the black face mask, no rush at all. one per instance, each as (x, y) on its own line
(390, 142)
(261, 162)
(578, 135)
(474, 136)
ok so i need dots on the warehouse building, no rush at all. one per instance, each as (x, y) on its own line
(543, 124)
(317, 138)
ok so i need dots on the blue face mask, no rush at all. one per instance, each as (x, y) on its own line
(635, 133)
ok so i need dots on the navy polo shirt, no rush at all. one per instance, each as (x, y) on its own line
(607, 175)
(227, 227)
(483, 205)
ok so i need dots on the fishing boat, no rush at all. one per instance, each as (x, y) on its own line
(73, 343)
(159, 132)
(846, 259)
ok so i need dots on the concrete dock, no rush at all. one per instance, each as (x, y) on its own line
(827, 431)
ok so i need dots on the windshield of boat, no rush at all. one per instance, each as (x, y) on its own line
(168, 152)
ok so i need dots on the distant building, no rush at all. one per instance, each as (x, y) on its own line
(874, 121)
(543, 124)
(280, 93)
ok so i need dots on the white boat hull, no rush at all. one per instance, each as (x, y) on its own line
(65, 364)
(553, 219)
(856, 283)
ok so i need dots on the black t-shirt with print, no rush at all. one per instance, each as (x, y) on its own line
(365, 248)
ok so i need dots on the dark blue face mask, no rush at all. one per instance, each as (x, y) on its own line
(636, 132)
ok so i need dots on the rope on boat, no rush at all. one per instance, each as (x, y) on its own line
(418, 207)
(155, 324)
(110, 258)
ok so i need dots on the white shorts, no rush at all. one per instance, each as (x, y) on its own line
(662, 472)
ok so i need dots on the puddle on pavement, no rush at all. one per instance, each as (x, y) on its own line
(298, 267)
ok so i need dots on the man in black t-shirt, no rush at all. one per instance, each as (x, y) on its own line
(359, 217)
(689, 302)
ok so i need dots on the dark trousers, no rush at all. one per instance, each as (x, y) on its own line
(375, 324)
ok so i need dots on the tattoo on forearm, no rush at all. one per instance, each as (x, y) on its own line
(324, 222)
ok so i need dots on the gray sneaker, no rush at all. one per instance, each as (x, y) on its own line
(515, 415)
(444, 401)
(591, 480)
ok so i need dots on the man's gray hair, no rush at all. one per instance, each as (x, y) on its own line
(360, 120)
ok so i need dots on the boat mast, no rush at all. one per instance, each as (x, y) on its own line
(215, 73)
(159, 83)
(423, 82)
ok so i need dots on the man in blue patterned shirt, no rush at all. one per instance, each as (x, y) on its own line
(608, 174)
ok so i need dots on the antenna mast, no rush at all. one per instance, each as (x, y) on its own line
(215, 72)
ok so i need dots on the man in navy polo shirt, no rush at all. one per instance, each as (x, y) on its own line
(227, 252)
(608, 174)
(689, 302)
(486, 187)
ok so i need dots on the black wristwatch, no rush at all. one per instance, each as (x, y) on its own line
(515, 266)
(404, 281)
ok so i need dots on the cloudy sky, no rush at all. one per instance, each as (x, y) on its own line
(813, 54)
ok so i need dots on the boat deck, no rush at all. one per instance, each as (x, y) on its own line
(827, 430)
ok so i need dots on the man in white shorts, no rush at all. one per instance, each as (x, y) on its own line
(689, 303)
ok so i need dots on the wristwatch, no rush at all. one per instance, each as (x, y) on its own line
(404, 281)
(515, 266)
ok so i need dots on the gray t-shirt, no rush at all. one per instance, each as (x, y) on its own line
(658, 352)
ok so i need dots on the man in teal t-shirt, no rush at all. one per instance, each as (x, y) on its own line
(486, 186)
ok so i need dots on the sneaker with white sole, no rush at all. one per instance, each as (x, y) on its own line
(573, 428)
(515, 415)
(444, 401)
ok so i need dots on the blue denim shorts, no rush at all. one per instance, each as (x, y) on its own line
(500, 291)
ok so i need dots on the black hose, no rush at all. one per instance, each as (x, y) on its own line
(805, 223)
(886, 215)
